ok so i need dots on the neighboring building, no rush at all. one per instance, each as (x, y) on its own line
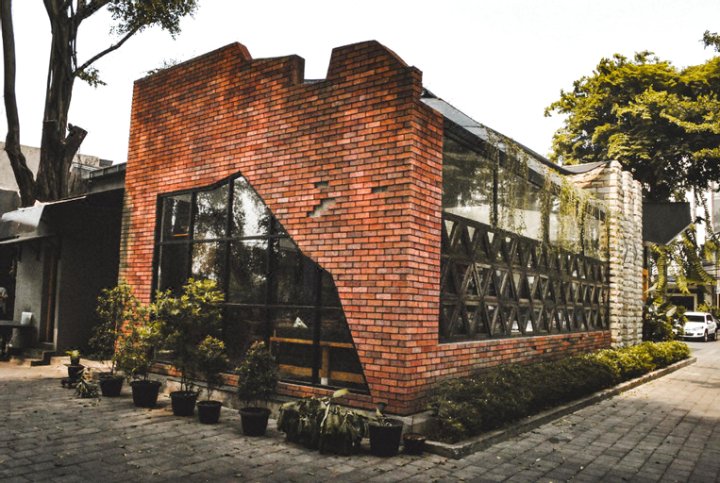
(56, 257)
(377, 237)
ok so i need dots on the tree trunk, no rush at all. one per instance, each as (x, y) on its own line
(58, 148)
(23, 175)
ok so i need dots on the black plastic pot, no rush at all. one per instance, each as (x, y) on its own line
(75, 361)
(209, 411)
(145, 393)
(74, 371)
(385, 437)
(110, 385)
(414, 443)
(183, 402)
(254, 420)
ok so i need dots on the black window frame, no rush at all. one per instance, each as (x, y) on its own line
(274, 234)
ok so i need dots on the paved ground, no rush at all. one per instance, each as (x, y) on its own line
(666, 430)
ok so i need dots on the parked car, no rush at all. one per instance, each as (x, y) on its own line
(700, 325)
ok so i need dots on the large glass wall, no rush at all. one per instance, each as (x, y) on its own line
(523, 253)
(492, 187)
(272, 290)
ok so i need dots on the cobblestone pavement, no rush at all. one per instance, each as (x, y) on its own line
(666, 430)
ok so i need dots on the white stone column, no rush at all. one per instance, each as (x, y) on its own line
(622, 196)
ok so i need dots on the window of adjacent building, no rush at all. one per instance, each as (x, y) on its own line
(272, 290)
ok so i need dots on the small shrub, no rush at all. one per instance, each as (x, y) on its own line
(468, 406)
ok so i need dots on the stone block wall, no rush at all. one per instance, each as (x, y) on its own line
(361, 146)
(623, 197)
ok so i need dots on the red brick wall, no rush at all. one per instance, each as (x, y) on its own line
(364, 132)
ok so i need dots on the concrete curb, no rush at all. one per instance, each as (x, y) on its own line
(479, 443)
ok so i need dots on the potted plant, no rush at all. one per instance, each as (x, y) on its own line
(133, 356)
(114, 307)
(257, 378)
(212, 361)
(385, 433)
(320, 423)
(184, 321)
(74, 368)
(86, 388)
(74, 357)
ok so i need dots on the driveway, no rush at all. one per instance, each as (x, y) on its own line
(666, 430)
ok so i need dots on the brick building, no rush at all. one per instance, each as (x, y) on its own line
(374, 235)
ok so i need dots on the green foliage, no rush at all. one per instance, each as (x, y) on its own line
(185, 320)
(319, 423)
(468, 406)
(257, 374)
(658, 318)
(135, 16)
(212, 361)
(135, 345)
(115, 306)
(712, 39)
(86, 389)
(74, 354)
(660, 122)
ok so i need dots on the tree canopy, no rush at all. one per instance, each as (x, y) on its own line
(662, 123)
(61, 140)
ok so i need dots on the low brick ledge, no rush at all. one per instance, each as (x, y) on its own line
(484, 441)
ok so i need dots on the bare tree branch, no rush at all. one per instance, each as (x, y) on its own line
(113, 47)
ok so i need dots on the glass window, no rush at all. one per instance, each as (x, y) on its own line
(176, 217)
(250, 216)
(211, 213)
(172, 266)
(208, 261)
(467, 182)
(272, 290)
(248, 271)
(519, 205)
(295, 275)
(241, 327)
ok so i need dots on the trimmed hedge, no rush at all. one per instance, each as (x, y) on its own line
(468, 406)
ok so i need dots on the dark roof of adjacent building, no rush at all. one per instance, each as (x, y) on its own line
(663, 221)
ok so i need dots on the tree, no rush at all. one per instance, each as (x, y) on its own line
(660, 122)
(61, 140)
(712, 39)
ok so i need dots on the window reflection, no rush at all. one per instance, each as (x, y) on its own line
(176, 217)
(250, 216)
(211, 213)
(248, 271)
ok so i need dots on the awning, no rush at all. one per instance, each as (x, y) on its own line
(26, 224)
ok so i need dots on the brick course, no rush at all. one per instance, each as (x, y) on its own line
(360, 139)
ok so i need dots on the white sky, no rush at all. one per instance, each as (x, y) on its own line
(501, 62)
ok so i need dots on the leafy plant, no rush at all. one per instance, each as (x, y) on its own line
(185, 320)
(135, 346)
(320, 423)
(212, 361)
(257, 374)
(115, 306)
(74, 354)
(86, 389)
(468, 406)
